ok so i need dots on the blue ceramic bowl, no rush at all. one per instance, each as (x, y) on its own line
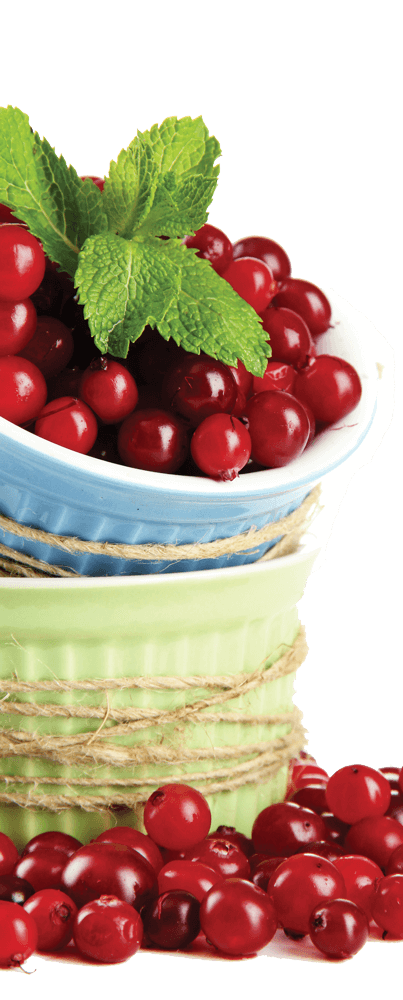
(45, 486)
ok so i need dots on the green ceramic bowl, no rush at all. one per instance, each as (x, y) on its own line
(208, 622)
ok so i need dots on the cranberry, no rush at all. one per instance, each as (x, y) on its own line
(339, 928)
(278, 426)
(267, 250)
(55, 840)
(391, 775)
(191, 876)
(233, 836)
(54, 914)
(153, 439)
(22, 263)
(108, 930)
(172, 921)
(263, 871)
(282, 828)
(137, 841)
(336, 830)
(99, 181)
(395, 863)
(14, 889)
(387, 905)
(51, 346)
(244, 382)
(177, 816)
(23, 390)
(290, 339)
(376, 837)
(108, 869)
(278, 375)
(68, 422)
(300, 883)
(221, 446)
(323, 849)
(397, 811)
(357, 791)
(308, 301)
(109, 389)
(307, 774)
(330, 386)
(312, 796)
(237, 917)
(43, 868)
(8, 855)
(227, 859)
(18, 935)
(212, 245)
(252, 280)
(17, 326)
(199, 387)
(360, 875)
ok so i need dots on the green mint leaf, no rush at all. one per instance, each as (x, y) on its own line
(164, 182)
(208, 315)
(124, 285)
(59, 208)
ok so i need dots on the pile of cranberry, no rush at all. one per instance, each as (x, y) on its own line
(164, 409)
(327, 862)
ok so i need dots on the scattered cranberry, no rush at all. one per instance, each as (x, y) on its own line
(195, 877)
(51, 347)
(312, 796)
(237, 917)
(153, 440)
(109, 389)
(43, 868)
(227, 859)
(308, 301)
(278, 426)
(355, 792)
(252, 280)
(339, 928)
(268, 251)
(212, 245)
(221, 446)
(68, 422)
(8, 855)
(14, 889)
(54, 914)
(139, 842)
(55, 840)
(360, 875)
(17, 326)
(108, 930)
(387, 905)
(336, 830)
(233, 836)
(22, 263)
(108, 869)
(18, 935)
(300, 883)
(177, 816)
(323, 849)
(376, 837)
(172, 921)
(23, 390)
(282, 828)
(263, 871)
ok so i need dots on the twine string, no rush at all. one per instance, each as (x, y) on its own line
(290, 528)
(250, 763)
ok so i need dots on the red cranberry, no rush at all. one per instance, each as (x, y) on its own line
(137, 841)
(22, 263)
(191, 876)
(177, 816)
(308, 301)
(278, 426)
(289, 336)
(237, 917)
(336, 830)
(233, 836)
(43, 868)
(392, 775)
(8, 855)
(376, 837)
(311, 796)
(68, 422)
(221, 446)
(323, 849)
(212, 245)
(109, 389)
(395, 863)
(253, 280)
(387, 905)
(23, 390)
(18, 935)
(153, 440)
(300, 883)
(355, 792)
(198, 387)
(172, 921)
(339, 928)
(55, 840)
(282, 828)
(108, 869)
(54, 914)
(51, 346)
(360, 875)
(278, 375)
(17, 326)
(267, 250)
(227, 859)
(330, 386)
(263, 871)
(14, 889)
(108, 930)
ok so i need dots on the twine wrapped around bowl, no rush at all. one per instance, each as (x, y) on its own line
(111, 687)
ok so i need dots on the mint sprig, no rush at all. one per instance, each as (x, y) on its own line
(127, 277)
